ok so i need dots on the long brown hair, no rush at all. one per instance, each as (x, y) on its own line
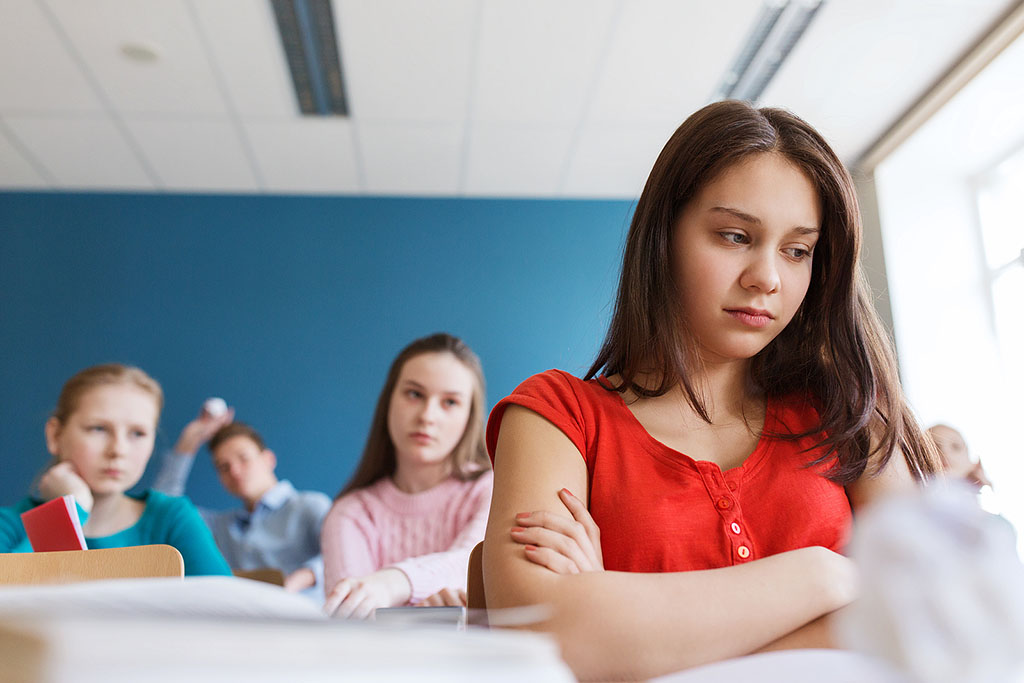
(834, 350)
(469, 457)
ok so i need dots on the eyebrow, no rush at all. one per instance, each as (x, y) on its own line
(754, 220)
(417, 385)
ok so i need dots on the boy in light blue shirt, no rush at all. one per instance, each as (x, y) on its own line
(278, 527)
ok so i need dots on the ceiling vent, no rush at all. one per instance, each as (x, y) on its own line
(310, 44)
(779, 26)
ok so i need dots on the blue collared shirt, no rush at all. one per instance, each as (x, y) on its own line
(282, 531)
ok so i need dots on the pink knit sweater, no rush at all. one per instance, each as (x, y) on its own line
(427, 535)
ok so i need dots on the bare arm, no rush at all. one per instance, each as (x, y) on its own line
(874, 484)
(615, 624)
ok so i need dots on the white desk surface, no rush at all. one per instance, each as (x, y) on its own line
(223, 630)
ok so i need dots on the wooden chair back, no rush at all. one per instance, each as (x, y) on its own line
(71, 566)
(475, 598)
(264, 574)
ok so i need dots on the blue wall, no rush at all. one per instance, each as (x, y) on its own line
(291, 308)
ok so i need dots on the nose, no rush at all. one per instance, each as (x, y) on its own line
(118, 445)
(761, 273)
(428, 411)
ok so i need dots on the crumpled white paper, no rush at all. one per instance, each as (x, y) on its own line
(942, 589)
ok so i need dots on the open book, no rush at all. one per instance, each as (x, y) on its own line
(54, 525)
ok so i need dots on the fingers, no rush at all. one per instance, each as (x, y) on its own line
(446, 597)
(352, 598)
(451, 597)
(582, 515)
(556, 562)
(558, 542)
(337, 596)
(562, 526)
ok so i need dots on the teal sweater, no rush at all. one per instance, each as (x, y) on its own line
(165, 519)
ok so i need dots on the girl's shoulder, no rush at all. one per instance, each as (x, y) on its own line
(164, 507)
(560, 392)
(574, 405)
(560, 382)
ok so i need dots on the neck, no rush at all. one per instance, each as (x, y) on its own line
(251, 501)
(105, 506)
(726, 387)
(722, 386)
(422, 477)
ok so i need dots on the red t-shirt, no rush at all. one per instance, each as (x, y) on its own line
(661, 511)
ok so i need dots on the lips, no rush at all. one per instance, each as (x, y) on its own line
(751, 317)
(421, 438)
(111, 473)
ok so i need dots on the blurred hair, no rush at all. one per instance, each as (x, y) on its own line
(85, 380)
(469, 457)
(230, 431)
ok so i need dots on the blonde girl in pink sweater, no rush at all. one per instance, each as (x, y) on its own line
(401, 530)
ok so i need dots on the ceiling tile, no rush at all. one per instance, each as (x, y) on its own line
(243, 37)
(194, 155)
(82, 152)
(614, 161)
(666, 58)
(16, 171)
(517, 160)
(538, 59)
(311, 155)
(407, 61)
(46, 78)
(178, 82)
(411, 158)
(901, 49)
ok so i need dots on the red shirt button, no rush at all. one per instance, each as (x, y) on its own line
(724, 503)
(735, 528)
(743, 551)
(731, 485)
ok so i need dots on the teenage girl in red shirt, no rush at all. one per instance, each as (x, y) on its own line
(745, 399)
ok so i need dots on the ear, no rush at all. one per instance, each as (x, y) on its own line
(271, 458)
(52, 432)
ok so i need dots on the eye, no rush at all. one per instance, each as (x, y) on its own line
(414, 393)
(138, 433)
(734, 237)
(798, 253)
(450, 402)
(96, 428)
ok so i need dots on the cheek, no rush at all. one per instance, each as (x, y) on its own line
(457, 426)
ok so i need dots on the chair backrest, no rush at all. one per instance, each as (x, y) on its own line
(70, 566)
(264, 574)
(475, 598)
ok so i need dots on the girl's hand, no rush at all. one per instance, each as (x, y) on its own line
(446, 597)
(62, 479)
(357, 597)
(565, 546)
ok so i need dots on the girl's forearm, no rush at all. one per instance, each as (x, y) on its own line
(622, 625)
(816, 634)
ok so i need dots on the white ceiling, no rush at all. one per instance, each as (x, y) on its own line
(535, 98)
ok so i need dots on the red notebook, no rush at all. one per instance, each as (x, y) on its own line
(54, 526)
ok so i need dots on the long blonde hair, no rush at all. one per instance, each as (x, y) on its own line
(88, 379)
